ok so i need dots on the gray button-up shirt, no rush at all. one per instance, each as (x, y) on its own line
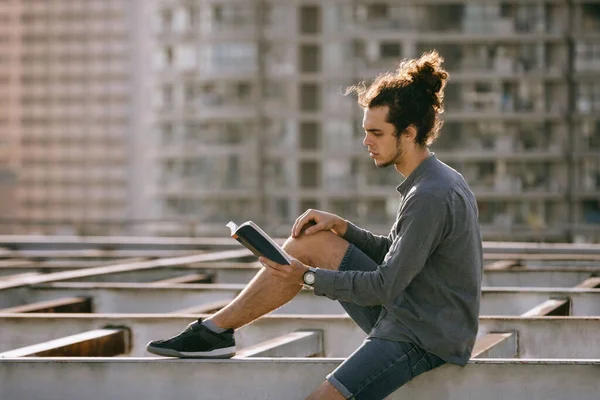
(430, 265)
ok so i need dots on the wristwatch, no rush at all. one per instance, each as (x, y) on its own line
(310, 276)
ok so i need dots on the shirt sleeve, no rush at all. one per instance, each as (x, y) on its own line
(374, 246)
(421, 227)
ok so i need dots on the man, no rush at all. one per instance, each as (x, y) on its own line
(415, 292)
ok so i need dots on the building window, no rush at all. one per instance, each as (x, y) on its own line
(310, 58)
(310, 99)
(310, 174)
(390, 50)
(591, 212)
(588, 97)
(310, 20)
(305, 204)
(310, 135)
(282, 209)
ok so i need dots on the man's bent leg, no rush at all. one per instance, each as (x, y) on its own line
(262, 295)
(266, 293)
(365, 316)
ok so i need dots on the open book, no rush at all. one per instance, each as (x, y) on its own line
(258, 242)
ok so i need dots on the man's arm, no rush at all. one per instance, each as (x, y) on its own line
(421, 230)
(374, 246)
(313, 221)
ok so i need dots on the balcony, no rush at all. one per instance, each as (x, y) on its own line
(202, 150)
(177, 190)
(520, 232)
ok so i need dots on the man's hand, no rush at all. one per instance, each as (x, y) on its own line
(322, 221)
(288, 273)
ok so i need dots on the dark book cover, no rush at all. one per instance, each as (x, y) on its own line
(258, 242)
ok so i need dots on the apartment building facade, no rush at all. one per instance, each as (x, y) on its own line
(252, 122)
(66, 74)
(195, 112)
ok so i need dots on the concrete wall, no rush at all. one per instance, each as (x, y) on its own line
(263, 379)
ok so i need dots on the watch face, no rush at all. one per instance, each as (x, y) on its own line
(309, 278)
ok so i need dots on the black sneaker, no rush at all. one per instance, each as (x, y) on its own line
(196, 341)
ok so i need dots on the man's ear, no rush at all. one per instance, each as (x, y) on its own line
(410, 133)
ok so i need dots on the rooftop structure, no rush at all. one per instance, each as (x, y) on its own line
(86, 307)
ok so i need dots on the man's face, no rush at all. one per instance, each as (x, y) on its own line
(384, 147)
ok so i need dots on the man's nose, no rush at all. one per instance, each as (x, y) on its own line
(366, 140)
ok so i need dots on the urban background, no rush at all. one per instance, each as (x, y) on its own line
(172, 117)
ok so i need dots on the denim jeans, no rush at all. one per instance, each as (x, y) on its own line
(379, 366)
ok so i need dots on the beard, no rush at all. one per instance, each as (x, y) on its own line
(394, 159)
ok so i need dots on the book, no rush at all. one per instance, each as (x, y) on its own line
(258, 242)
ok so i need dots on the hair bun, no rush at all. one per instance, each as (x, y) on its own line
(426, 77)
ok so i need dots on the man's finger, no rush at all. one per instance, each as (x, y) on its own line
(299, 225)
(271, 264)
(314, 228)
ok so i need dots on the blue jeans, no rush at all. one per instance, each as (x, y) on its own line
(378, 367)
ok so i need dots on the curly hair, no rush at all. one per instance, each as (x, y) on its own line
(414, 94)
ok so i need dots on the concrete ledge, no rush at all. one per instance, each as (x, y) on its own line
(496, 345)
(552, 307)
(63, 305)
(539, 337)
(294, 344)
(124, 268)
(114, 378)
(144, 297)
(97, 343)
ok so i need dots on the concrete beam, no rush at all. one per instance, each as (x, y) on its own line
(93, 254)
(285, 378)
(127, 267)
(502, 265)
(10, 263)
(550, 307)
(538, 277)
(63, 305)
(539, 337)
(152, 298)
(521, 257)
(541, 248)
(590, 283)
(496, 345)
(17, 276)
(50, 266)
(134, 298)
(494, 275)
(188, 243)
(25, 242)
(97, 343)
(516, 301)
(189, 278)
(206, 308)
(293, 344)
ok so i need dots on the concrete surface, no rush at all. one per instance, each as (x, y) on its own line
(113, 378)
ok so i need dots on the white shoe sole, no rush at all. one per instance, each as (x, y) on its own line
(225, 352)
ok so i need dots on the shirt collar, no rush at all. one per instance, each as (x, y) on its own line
(418, 172)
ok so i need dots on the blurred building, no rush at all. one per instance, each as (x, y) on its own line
(252, 124)
(195, 112)
(65, 115)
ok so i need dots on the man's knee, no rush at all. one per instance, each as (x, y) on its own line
(317, 248)
(303, 246)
